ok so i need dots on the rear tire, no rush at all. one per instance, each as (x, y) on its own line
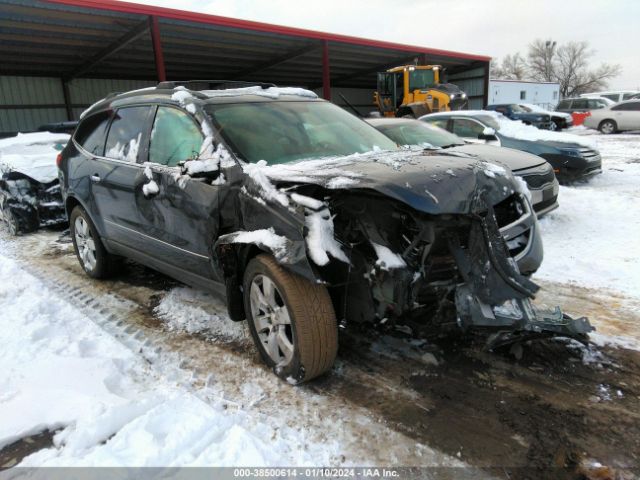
(608, 127)
(291, 320)
(93, 257)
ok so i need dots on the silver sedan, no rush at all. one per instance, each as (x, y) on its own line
(616, 118)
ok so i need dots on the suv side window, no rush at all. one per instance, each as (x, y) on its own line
(580, 103)
(175, 137)
(593, 104)
(125, 133)
(612, 96)
(439, 122)
(627, 107)
(564, 105)
(465, 127)
(91, 133)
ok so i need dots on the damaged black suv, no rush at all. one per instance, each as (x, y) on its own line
(303, 216)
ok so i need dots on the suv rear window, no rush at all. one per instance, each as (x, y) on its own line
(564, 104)
(91, 132)
(125, 133)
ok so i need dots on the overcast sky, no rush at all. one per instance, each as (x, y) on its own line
(487, 27)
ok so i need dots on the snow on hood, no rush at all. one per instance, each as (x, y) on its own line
(518, 130)
(435, 182)
(32, 154)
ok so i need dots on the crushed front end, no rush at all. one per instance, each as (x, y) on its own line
(32, 204)
(438, 273)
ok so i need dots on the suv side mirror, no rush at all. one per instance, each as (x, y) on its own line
(487, 134)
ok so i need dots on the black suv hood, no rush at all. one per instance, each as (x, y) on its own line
(433, 182)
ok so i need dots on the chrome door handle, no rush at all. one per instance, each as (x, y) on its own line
(95, 178)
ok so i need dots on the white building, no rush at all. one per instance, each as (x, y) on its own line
(544, 94)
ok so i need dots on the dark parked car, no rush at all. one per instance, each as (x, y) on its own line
(570, 160)
(514, 111)
(534, 170)
(29, 188)
(302, 215)
(559, 120)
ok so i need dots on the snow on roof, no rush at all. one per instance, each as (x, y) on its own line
(32, 154)
(271, 92)
(37, 138)
(517, 129)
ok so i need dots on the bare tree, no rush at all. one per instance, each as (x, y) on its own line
(513, 67)
(569, 65)
(542, 60)
(573, 73)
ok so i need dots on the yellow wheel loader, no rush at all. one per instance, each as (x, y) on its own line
(415, 90)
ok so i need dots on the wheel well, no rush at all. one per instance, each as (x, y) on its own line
(70, 204)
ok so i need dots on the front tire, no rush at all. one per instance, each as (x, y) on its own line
(291, 320)
(93, 257)
(608, 127)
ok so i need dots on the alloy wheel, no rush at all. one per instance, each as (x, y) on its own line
(271, 319)
(607, 128)
(85, 244)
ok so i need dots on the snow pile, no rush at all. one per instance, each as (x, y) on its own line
(320, 238)
(538, 109)
(387, 260)
(151, 187)
(592, 239)
(270, 92)
(195, 311)
(185, 99)
(60, 371)
(517, 129)
(32, 154)
(491, 169)
(126, 151)
(266, 238)
(257, 172)
(57, 367)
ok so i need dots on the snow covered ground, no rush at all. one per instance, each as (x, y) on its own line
(62, 371)
(593, 239)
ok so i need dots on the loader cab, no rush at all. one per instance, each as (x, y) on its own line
(390, 91)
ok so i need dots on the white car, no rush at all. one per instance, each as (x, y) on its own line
(615, 96)
(615, 118)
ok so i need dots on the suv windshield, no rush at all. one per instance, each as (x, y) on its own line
(419, 133)
(281, 132)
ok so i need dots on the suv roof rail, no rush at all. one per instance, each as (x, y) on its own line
(212, 84)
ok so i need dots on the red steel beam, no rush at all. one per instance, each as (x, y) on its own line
(157, 48)
(128, 7)
(326, 71)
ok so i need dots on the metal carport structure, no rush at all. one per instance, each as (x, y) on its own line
(120, 44)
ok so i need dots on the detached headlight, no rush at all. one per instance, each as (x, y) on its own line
(572, 152)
